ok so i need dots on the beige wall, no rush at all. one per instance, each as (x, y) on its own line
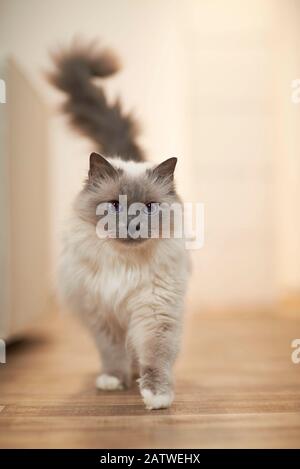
(24, 211)
(288, 157)
(4, 216)
(202, 76)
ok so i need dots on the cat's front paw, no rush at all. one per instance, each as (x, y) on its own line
(157, 401)
(108, 382)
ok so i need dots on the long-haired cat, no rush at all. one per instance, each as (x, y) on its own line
(128, 290)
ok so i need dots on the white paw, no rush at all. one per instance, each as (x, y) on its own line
(157, 401)
(108, 382)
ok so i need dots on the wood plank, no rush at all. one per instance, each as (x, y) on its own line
(236, 386)
(210, 431)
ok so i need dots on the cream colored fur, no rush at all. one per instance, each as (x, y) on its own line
(131, 298)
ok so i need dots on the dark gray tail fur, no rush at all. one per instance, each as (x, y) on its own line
(114, 132)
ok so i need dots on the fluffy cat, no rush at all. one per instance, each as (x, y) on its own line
(128, 291)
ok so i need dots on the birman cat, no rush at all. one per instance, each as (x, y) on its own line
(129, 290)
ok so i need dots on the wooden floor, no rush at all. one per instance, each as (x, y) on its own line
(236, 387)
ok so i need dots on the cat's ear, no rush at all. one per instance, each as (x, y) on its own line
(100, 168)
(165, 169)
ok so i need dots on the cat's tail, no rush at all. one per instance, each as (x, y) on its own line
(113, 131)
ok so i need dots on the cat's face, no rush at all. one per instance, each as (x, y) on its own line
(124, 200)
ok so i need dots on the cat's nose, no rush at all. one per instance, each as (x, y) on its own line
(132, 230)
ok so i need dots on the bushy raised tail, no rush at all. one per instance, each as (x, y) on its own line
(113, 131)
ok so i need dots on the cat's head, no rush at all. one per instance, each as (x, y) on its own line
(125, 200)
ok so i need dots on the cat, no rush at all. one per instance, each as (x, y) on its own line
(130, 290)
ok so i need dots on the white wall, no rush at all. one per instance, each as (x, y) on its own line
(230, 60)
(288, 160)
(4, 216)
(24, 210)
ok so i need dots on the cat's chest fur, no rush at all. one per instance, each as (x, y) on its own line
(94, 277)
(98, 281)
(114, 282)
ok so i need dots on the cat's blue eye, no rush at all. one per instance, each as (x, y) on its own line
(114, 206)
(151, 208)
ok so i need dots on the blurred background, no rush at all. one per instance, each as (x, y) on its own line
(211, 83)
